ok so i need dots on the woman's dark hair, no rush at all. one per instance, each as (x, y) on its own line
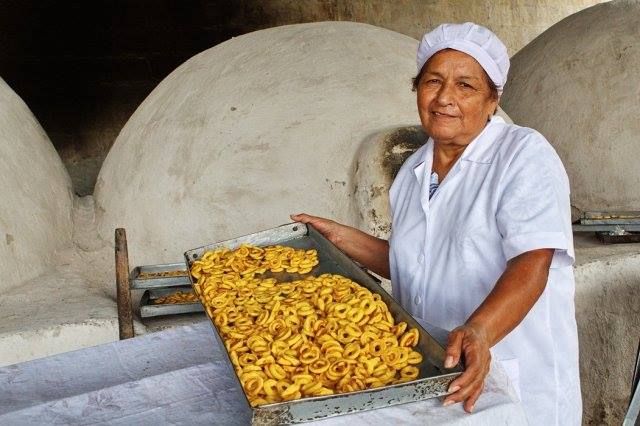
(415, 81)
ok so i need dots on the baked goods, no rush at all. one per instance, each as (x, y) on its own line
(308, 337)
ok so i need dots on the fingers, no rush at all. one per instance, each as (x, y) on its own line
(470, 403)
(465, 379)
(464, 385)
(477, 367)
(313, 220)
(326, 227)
(469, 385)
(303, 217)
(468, 393)
(320, 223)
(454, 348)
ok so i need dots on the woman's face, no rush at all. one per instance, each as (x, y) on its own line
(454, 98)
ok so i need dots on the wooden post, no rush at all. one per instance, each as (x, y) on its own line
(123, 293)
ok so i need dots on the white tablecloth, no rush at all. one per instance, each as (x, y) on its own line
(179, 376)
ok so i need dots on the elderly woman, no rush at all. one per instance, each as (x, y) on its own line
(481, 239)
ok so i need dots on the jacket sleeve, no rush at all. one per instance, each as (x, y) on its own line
(534, 210)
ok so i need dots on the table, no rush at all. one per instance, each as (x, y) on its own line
(179, 377)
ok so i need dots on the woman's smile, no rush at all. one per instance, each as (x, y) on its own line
(443, 115)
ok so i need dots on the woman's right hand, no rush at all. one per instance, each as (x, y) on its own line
(331, 230)
(369, 251)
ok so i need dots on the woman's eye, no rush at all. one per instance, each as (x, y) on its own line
(466, 86)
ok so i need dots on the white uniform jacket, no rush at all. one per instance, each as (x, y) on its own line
(507, 194)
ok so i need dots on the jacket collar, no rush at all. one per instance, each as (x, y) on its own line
(483, 147)
(480, 150)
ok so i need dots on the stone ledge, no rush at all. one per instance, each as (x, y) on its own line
(53, 313)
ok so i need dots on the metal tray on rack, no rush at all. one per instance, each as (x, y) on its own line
(432, 381)
(154, 276)
(150, 309)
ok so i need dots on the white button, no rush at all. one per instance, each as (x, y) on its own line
(421, 258)
(417, 300)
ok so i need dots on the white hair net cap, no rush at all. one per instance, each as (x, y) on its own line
(474, 40)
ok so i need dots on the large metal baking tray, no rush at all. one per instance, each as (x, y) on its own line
(433, 380)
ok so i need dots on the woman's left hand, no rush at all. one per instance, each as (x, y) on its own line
(472, 342)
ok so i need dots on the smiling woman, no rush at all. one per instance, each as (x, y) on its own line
(481, 238)
(455, 102)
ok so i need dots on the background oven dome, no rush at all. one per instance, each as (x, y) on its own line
(251, 130)
(35, 194)
(578, 84)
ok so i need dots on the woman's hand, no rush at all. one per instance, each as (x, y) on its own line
(513, 296)
(472, 342)
(332, 231)
(369, 251)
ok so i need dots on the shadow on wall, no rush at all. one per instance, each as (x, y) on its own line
(375, 166)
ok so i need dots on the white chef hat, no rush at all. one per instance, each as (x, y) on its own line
(474, 40)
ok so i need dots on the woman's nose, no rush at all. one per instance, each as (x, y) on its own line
(445, 95)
